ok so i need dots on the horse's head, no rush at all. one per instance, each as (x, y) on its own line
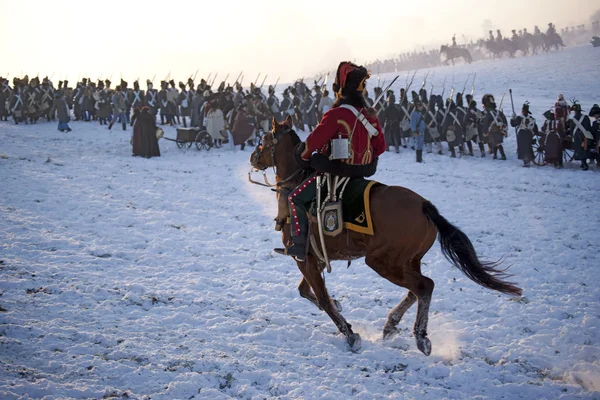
(266, 151)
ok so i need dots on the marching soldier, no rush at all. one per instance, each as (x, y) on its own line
(119, 108)
(595, 117)
(526, 129)
(5, 95)
(163, 103)
(495, 126)
(473, 123)
(136, 96)
(308, 111)
(151, 98)
(273, 103)
(391, 116)
(17, 103)
(583, 141)
(184, 101)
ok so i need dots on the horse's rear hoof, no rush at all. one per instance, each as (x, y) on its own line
(354, 342)
(337, 305)
(389, 332)
(424, 345)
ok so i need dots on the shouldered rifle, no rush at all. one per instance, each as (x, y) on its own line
(465, 86)
(214, 79)
(444, 86)
(208, 79)
(256, 81)
(226, 76)
(473, 87)
(238, 78)
(447, 108)
(324, 87)
(384, 91)
(263, 81)
(425, 80)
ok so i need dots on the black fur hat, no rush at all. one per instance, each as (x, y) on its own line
(414, 95)
(549, 114)
(472, 104)
(525, 108)
(136, 85)
(488, 101)
(123, 84)
(349, 77)
(595, 110)
(459, 99)
(423, 95)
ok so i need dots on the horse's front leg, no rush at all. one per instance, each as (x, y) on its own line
(312, 274)
(306, 292)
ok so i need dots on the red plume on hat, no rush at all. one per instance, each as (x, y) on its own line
(350, 74)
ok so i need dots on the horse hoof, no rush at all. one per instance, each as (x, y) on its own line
(337, 305)
(424, 345)
(354, 342)
(389, 332)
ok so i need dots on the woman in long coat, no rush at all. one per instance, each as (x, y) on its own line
(145, 143)
(554, 131)
(242, 127)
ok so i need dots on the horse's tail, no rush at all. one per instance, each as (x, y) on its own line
(458, 249)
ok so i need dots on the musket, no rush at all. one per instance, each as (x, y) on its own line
(276, 82)
(385, 91)
(51, 76)
(425, 80)
(195, 75)
(444, 86)
(208, 79)
(324, 87)
(242, 80)
(214, 79)
(152, 81)
(225, 80)
(238, 78)
(465, 86)
(263, 82)
(473, 88)
(408, 87)
(447, 108)
(168, 76)
(256, 81)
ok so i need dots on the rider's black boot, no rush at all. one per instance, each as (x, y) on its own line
(297, 250)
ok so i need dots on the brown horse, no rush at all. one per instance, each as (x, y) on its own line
(405, 227)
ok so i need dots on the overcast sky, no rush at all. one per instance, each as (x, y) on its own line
(279, 37)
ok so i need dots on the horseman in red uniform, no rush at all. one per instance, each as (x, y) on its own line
(350, 118)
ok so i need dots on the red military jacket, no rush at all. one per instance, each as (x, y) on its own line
(340, 121)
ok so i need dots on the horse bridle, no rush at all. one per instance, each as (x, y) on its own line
(258, 152)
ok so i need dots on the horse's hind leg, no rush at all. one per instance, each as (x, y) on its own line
(420, 289)
(396, 315)
(306, 292)
(312, 274)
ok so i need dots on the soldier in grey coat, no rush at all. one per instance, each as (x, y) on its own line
(60, 107)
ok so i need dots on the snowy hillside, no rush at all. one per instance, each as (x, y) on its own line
(155, 279)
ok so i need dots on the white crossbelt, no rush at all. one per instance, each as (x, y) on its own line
(363, 120)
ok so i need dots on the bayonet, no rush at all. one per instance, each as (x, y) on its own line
(238, 78)
(263, 81)
(378, 99)
(473, 87)
(256, 81)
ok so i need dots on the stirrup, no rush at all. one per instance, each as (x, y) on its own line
(285, 251)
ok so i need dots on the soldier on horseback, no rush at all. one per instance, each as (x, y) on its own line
(350, 118)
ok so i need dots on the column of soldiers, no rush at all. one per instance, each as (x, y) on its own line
(429, 121)
(424, 122)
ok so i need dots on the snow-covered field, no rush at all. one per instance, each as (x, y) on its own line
(154, 279)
